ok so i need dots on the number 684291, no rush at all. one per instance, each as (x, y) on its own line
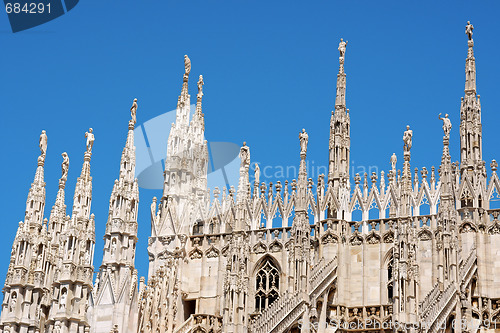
(28, 8)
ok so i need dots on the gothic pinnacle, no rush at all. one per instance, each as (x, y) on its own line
(341, 77)
(185, 79)
(199, 96)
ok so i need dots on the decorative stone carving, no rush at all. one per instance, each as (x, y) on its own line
(43, 143)
(407, 138)
(304, 138)
(133, 111)
(65, 166)
(195, 254)
(245, 155)
(342, 48)
(90, 140)
(469, 28)
(446, 125)
(257, 174)
(187, 65)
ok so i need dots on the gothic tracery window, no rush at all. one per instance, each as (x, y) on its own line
(267, 282)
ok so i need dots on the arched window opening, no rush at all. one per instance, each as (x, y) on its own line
(267, 283)
(390, 280)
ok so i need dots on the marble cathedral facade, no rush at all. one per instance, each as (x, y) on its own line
(218, 263)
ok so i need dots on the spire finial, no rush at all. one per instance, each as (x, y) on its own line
(200, 86)
(187, 65)
(407, 139)
(184, 92)
(446, 125)
(342, 48)
(469, 28)
(90, 140)
(304, 139)
(245, 156)
(43, 144)
(200, 95)
(133, 111)
(65, 166)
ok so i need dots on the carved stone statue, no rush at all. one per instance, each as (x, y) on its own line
(90, 140)
(342, 47)
(113, 246)
(245, 155)
(200, 86)
(65, 166)
(62, 303)
(57, 328)
(39, 261)
(407, 138)
(187, 65)
(133, 111)
(153, 209)
(43, 143)
(469, 28)
(86, 258)
(304, 138)
(394, 160)
(13, 302)
(446, 125)
(257, 173)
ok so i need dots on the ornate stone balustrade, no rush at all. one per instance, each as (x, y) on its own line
(277, 313)
(317, 269)
(429, 299)
(439, 309)
(319, 276)
(466, 265)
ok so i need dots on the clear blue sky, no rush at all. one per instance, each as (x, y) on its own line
(270, 70)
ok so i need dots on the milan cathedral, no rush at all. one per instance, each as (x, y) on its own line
(219, 263)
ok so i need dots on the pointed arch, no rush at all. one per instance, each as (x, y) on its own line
(267, 279)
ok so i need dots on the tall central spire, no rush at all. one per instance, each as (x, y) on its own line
(470, 112)
(339, 145)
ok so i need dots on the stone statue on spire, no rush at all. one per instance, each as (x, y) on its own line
(133, 111)
(469, 28)
(43, 143)
(200, 86)
(394, 160)
(90, 140)
(245, 155)
(257, 173)
(446, 125)
(187, 65)
(342, 48)
(407, 138)
(304, 138)
(65, 166)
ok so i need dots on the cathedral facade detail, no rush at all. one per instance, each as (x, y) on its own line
(261, 258)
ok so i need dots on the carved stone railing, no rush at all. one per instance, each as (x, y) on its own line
(317, 268)
(319, 276)
(285, 310)
(429, 299)
(273, 318)
(466, 265)
(186, 326)
(439, 310)
(446, 305)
